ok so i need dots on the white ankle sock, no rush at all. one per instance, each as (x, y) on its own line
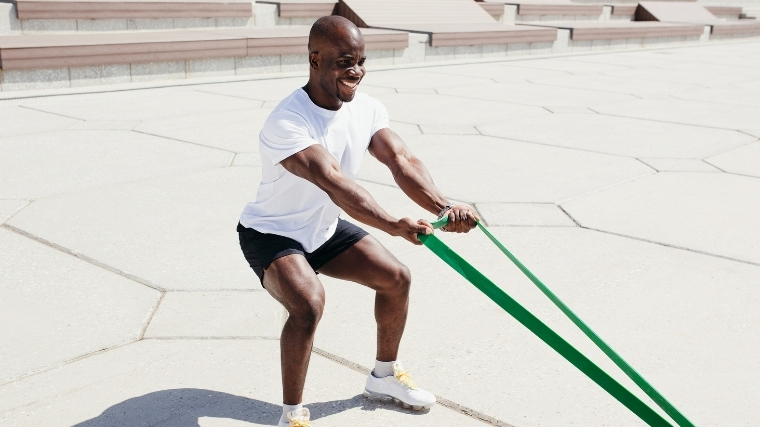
(383, 369)
(288, 408)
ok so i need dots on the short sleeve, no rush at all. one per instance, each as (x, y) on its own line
(283, 135)
(381, 120)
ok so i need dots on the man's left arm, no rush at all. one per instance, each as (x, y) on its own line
(414, 179)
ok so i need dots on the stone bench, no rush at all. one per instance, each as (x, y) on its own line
(67, 60)
(291, 12)
(626, 12)
(36, 16)
(684, 12)
(725, 12)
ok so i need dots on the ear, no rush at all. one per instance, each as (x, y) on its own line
(314, 60)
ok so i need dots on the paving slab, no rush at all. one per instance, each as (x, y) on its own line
(629, 86)
(420, 79)
(710, 212)
(429, 109)
(500, 170)
(19, 120)
(8, 208)
(404, 129)
(261, 90)
(235, 131)
(458, 343)
(679, 165)
(621, 136)
(499, 72)
(687, 112)
(149, 106)
(107, 124)
(449, 130)
(217, 314)
(744, 160)
(176, 232)
(197, 382)
(43, 164)
(536, 95)
(56, 307)
(572, 67)
(725, 95)
(524, 215)
(707, 75)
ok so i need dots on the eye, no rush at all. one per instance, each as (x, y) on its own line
(361, 61)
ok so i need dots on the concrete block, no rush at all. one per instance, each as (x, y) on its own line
(510, 14)
(9, 23)
(39, 78)
(294, 62)
(440, 53)
(562, 43)
(618, 44)
(494, 50)
(150, 24)
(606, 13)
(380, 57)
(705, 37)
(194, 22)
(46, 25)
(552, 18)
(468, 52)
(265, 15)
(99, 75)
(600, 44)
(541, 48)
(158, 71)
(257, 64)
(415, 52)
(518, 49)
(634, 43)
(102, 25)
(235, 22)
(528, 18)
(308, 21)
(581, 45)
(212, 67)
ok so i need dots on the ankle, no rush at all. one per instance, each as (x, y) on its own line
(383, 369)
(286, 409)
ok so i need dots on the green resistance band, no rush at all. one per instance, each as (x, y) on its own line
(522, 315)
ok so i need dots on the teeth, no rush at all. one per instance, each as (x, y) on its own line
(351, 85)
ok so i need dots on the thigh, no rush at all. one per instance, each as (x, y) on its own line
(367, 262)
(291, 281)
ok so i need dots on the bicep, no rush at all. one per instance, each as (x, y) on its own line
(388, 148)
(314, 164)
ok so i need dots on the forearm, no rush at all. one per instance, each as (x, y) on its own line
(358, 203)
(415, 181)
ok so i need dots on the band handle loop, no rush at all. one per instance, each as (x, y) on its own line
(546, 334)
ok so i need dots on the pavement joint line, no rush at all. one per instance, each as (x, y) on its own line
(287, 75)
(181, 140)
(446, 403)
(151, 314)
(84, 258)
(232, 160)
(28, 202)
(231, 96)
(662, 121)
(648, 165)
(747, 133)
(569, 216)
(50, 112)
(68, 361)
(669, 245)
(599, 190)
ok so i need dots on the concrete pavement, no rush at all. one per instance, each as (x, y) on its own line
(628, 181)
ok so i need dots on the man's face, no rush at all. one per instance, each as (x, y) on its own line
(341, 67)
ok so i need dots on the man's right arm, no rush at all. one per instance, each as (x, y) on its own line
(319, 167)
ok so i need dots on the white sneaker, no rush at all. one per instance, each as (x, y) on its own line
(299, 418)
(398, 388)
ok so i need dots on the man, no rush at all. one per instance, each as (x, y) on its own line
(311, 147)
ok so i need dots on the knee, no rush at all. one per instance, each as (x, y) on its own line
(307, 312)
(401, 280)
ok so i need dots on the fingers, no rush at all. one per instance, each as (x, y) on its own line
(461, 219)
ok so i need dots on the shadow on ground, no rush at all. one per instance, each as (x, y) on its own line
(185, 406)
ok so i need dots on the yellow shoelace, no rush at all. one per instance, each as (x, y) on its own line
(300, 423)
(404, 378)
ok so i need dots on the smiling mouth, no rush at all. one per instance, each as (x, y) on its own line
(350, 85)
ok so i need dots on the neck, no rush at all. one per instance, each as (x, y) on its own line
(320, 98)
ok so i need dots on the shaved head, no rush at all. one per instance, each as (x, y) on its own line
(333, 30)
(336, 61)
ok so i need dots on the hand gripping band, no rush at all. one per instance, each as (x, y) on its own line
(547, 335)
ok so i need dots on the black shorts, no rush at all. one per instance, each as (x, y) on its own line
(260, 249)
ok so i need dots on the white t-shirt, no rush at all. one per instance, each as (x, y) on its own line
(293, 207)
